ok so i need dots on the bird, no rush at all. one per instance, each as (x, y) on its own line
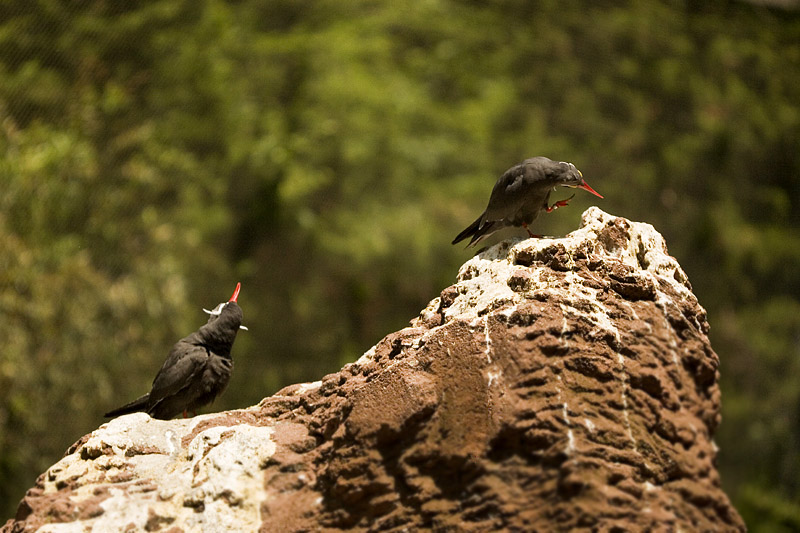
(521, 193)
(197, 368)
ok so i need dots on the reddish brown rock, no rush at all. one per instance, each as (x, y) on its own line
(560, 384)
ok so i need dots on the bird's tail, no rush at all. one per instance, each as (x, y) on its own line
(139, 404)
(476, 231)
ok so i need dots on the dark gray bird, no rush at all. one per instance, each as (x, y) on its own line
(521, 193)
(197, 368)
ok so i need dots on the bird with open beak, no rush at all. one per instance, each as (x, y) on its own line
(197, 368)
(521, 193)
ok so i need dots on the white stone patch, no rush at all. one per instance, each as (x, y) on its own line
(226, 475)
(570, 447)
(67, 527)
(662, 302)
(306, 387)
(493, 376)
(624, 399)
(589, 425)
(219, 470)
(507, 311)
(564, 323)
(487, 339)
(570, 442)
(431, 310)
(635, 315)
(483, 280)
(119, 507)
(171, 444)
(368, 356)
(585, 305)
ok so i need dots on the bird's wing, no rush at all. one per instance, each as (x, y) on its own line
(507, 195)
(185, 361)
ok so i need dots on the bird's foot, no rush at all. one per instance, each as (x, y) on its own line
(560, 203)
(530, 233)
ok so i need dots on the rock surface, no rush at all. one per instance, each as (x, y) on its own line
(560, 384)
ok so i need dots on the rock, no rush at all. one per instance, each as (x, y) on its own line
(560, 384)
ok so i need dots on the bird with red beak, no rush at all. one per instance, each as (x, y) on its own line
(521, 193)
(197, 369)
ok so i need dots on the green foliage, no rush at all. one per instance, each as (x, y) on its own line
(325, 153)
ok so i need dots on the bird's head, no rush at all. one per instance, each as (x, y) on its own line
(228, 308)
(572, 177)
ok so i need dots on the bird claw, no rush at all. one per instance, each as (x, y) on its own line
(530, 233)
(560, 203)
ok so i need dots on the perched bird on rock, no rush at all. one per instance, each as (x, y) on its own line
(197, 368)
(521, 193)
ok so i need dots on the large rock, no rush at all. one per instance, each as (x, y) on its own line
(559, 384)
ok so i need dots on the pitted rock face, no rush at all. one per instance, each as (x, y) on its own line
(559, 384)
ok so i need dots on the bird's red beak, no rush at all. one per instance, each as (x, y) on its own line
(583, 185)
(239, 285)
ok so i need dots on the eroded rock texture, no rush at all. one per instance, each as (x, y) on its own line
(560, 384)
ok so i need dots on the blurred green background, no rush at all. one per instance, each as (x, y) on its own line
(325, 153)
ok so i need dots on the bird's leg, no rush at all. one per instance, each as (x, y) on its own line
(533, 235)
(560, 203)
(185, 414)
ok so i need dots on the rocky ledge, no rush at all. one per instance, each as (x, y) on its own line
(560, 384)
